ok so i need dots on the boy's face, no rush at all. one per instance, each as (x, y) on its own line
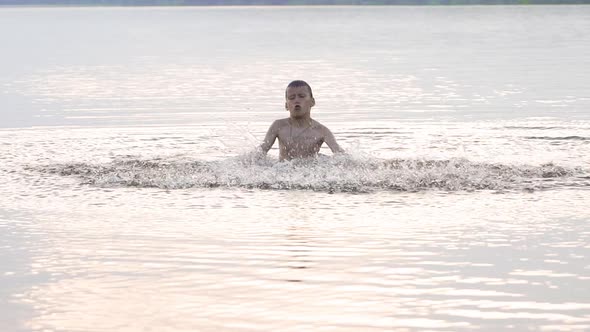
(299, 101)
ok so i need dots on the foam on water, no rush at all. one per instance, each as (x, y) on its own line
(342, 173)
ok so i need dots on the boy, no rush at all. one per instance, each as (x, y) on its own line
(299, 135)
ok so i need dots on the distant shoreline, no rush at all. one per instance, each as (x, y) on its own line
(296, 5)
(278, 3)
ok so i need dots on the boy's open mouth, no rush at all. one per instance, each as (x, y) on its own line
(297, 108)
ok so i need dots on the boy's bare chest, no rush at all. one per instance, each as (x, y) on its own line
(295, 135)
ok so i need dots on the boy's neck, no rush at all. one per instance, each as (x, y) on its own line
(300, 122)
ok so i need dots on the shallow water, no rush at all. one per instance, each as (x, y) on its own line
(132, 200)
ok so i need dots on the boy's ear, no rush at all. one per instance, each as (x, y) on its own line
(286, 108)
(312, 102)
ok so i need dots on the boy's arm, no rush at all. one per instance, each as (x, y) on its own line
(271, 136)
(331, 141)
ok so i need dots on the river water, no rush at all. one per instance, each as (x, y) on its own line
(131, 200)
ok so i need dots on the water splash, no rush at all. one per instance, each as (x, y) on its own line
(341, 173)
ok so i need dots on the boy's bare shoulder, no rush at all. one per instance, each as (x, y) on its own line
(315, 124)
(318, 126)
(278, 124)
(281, 123)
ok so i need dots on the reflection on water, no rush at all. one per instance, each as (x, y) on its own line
(295, 260)
(184, 257)
(364, 63)
(92, 256)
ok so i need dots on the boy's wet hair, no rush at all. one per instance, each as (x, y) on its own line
(298, 83)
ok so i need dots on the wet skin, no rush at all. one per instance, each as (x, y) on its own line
(299, 135)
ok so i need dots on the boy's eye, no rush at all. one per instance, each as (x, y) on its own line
(302, 96)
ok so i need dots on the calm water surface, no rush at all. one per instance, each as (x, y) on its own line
(131, 200)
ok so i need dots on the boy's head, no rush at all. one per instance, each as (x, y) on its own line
(299, 99)
(299, 83)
